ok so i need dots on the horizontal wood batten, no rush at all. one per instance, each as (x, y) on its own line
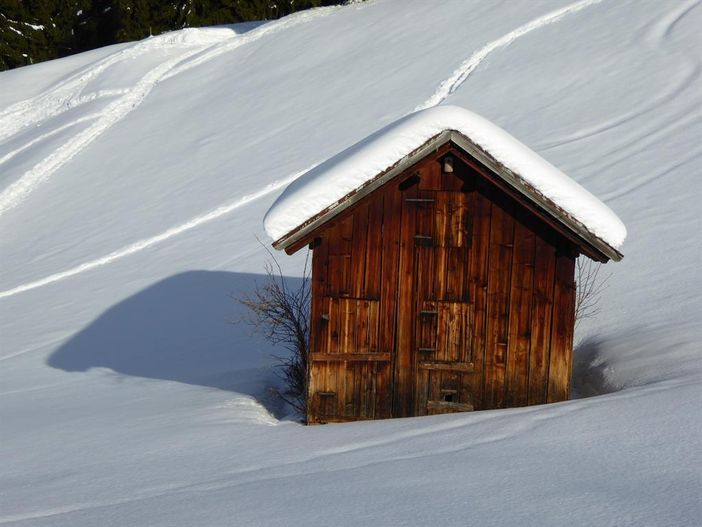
(347, 357)
(448, 366)
(338, 419)
(447, 406)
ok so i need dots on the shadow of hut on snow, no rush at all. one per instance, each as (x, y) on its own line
(180, 329)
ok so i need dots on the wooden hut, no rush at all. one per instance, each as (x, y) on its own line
(442, 270)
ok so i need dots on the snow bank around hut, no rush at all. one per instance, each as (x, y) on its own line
(326, 184)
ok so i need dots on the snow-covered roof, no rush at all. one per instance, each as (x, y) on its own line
(320, 193)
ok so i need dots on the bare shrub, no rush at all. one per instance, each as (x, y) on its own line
(590, 286)
(281, 313)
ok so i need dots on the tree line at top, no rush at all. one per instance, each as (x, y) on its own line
(36, 30)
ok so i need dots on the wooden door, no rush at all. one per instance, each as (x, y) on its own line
(350, 360)
(436, 316)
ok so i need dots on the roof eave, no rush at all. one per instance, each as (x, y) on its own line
(532, 194)
(295, 236)
(300, 232)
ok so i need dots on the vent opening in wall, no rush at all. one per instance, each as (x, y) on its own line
(449, 395)
(409, 182)
(327, 405)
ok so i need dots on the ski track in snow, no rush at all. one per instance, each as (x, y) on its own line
(267, 29)
(16, 192)
(149, 242)
(46, 135)
(194, 58)
(458, 77)
(67, 94)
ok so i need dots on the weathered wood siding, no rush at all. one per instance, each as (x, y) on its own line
(438, 293)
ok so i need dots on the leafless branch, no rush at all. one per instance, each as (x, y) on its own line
(281, 314)
(590, 285)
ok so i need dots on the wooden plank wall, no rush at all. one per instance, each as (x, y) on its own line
(518, 278)
(444, 374)
(350, 373)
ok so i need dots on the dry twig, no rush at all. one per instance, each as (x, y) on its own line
(281, 314)
(589, 289)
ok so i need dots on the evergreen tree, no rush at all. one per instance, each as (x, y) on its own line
(36, 30)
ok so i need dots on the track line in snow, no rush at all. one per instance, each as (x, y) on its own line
(153, 240)
(287, 22)
(46, 135)
(210, 42)
(458, 77)
(68, 96)
(16, 192)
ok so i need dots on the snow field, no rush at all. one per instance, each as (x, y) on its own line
(129, 399)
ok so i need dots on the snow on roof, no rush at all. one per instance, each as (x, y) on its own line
(325, 185)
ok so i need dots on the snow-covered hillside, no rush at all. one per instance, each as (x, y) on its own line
(133, 183)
